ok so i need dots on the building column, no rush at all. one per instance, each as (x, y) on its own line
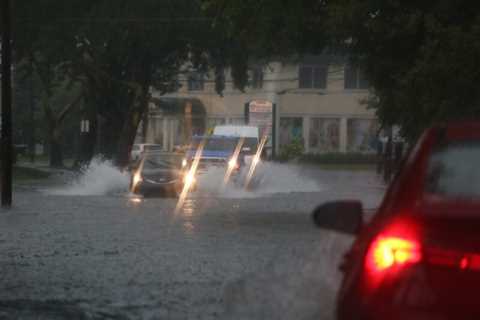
(276, 123)
(165, 133)
(306, 133)
(171, 134)
(343, 135)
(151, 128)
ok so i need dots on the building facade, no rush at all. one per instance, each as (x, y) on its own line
(317, 102)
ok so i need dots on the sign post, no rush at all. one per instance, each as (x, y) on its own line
(260, 113)
(6, 151)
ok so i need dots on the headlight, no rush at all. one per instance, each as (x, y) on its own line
(184, 163)
(137, 177)
(232, 163)
(189, 178)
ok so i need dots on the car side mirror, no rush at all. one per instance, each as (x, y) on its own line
(342, 216)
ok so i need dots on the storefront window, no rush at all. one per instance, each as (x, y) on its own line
(362, 135)
(324, 134)
(291, 129)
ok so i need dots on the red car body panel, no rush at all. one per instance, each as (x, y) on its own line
(445, 284)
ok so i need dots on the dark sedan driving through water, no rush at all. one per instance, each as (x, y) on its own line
(159, 173)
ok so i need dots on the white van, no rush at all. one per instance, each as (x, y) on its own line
(250, 133)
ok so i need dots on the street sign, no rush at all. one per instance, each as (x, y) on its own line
(260, 114)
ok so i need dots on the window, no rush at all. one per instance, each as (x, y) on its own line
(355, 78)
(195, 81)
(313, 77)
(362, 135)
(291, 130)
(257, 78)
(324, 135)
(453, 170)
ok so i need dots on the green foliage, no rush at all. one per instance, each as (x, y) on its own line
(27, 174)
(420, 56)
(257, 30)
(115, 50)
(293, 150)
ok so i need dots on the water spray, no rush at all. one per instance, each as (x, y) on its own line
(190, 176)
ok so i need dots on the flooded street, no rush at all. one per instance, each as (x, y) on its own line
(84, 250)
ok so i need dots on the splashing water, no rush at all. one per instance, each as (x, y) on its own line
(269, 178)
(101, 177)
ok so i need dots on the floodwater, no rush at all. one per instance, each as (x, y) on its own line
(85, 250)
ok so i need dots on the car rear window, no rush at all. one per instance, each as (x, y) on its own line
(453, 170)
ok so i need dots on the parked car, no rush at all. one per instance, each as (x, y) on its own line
(419, 255)
(159, 173)
(139, 148)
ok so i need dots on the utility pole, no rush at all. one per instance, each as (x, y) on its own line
(6, 145)
(31, 141)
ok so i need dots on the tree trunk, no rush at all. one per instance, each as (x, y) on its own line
(56, 156)
(87, 140)
(129, 130)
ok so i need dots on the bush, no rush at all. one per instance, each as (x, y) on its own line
(340, 158)
(291, 151)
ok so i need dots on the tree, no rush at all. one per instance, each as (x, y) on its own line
(114, 52)
(261, 30)
(421, 57)
(42, 46)
(129, 48)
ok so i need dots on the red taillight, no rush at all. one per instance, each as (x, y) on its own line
(391, 250)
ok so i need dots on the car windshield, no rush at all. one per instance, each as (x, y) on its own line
(153, 162)
(250, 145)
(453, 170)
(216, 144)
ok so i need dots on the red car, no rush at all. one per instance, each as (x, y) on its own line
(419, 256)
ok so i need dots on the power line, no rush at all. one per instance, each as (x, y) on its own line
(103, 20)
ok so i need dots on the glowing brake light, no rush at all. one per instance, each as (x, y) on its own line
(390, 251)
(394, 248)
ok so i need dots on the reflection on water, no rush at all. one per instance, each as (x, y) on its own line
(188, 227)
(188, 207)
(136, 200)
(187, 212)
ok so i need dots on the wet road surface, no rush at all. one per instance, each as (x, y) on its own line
(235, 256)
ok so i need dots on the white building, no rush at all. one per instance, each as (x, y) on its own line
(317, 101)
